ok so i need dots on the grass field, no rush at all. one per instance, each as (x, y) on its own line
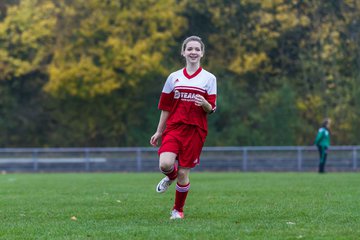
(219, 206)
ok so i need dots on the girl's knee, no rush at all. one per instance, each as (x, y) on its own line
(183, 176)
(165, 166)
(167, 161)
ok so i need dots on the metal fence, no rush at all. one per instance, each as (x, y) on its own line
(140, 159)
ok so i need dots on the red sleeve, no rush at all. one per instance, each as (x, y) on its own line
(212, 100)
(166, 101)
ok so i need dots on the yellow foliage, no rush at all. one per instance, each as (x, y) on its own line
(310, 102)
(94, 46)
(84, 79)
(267, 18)
(269, 4)
(28, 26)
(327, 51)
(248, 62)
(118, 45)
(280, 12)
(304, 21)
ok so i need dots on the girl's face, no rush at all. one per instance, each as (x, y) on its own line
(193, 52)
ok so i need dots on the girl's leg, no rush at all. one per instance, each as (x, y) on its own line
(182, 188)
(167, 165)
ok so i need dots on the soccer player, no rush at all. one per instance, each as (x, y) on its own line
(322, 141)
(187, 98)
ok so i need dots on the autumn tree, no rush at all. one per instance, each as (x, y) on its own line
(89, 73)
(97, 62)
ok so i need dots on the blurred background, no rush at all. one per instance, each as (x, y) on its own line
(89, 73)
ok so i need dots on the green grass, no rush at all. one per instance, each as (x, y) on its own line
(219, 206)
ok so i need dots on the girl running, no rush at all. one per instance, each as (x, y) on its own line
(187, 98)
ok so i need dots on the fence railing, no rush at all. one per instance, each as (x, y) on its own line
(143, 159)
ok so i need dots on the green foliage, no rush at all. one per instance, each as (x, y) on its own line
(95, 56)
(269, 43)
(110, 45)
(279, 116)
(90, 72)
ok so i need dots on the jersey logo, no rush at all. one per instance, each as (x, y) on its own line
(176, 94)
(184, 96)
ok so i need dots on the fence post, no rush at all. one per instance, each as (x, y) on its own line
(245, 159)
(87, 160)
(35, 160)
(299, 159)
(354, 155)
(138, 160)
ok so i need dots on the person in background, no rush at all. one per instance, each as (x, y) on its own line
(322, 141)
(187, 98)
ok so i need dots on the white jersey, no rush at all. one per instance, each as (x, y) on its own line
(178, 97)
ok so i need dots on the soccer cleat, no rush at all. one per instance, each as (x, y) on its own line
(163, 185)
(175, 214)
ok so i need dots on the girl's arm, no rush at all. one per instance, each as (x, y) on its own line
(154, 140)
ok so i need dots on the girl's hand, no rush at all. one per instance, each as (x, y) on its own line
(201, 102)
(154, 140)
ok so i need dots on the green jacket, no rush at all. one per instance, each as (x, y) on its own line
(323, 137)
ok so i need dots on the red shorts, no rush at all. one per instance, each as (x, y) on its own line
(186, 141)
